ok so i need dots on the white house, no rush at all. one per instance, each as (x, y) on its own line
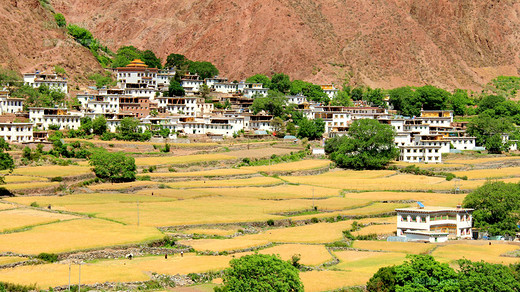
(16, 132)
(225, 87)
(10, 105)
(137, 73)
(296, 99)
(462, 143)
(433, 222)
(210, 82)
(253, 89)
(44, 117)
(191, 85)
(51, 80)
(420, 153)
(329, 90)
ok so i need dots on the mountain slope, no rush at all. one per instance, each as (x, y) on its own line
(379, 43)
(30, 40)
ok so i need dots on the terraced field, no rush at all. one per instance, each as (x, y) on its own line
(223, 213)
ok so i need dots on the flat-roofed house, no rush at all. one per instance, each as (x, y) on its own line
(16, 132)
(51, 80)
(434, 224)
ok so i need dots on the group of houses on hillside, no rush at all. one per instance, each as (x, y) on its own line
(139, 91)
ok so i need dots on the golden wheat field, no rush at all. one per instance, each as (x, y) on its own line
(403, 247)
(174, 160)
(122, 186)
(204, 173)
(277, 192)
(28, 186)
(311, 255)
(10, 260)
(476, 251)
(291, 166)
(52, 171)
(211, 231)
(330, 280)
(209, 183)
(429, 199)
(75, 235)
(9, 179)
(218, 245)
(379, 229)
(20, 218)
(119, 270)
(490, 173)
(231, 208)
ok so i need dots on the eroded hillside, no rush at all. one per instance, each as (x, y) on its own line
(30, 39)
(379, 43)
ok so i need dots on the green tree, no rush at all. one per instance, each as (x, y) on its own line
(81, 35)
(102, 80)
(60, 20)
(459, 102)
(261, 273)
(203, 69)
(175, 60)
(9, 77)
(125, 55)
(495, 144)
(260, 78)
(129, 128)
(6, 161)
(311, 129)
(484, 127)
(432, 98)
(424, 273)
(204, 92)
(497, 206)
(150, 59)
(115, 167)
(274, 104)
(368, 145)
(342, 99)
(486, 277)
(99, 125)
(383, 280)
(86, 125)
(357, 93)
(404, 100)
(375, 97)
(60, 70)
(175, 88)
(278, 126)
(281, 83)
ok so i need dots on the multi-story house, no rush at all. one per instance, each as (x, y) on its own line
(434, 224)
(16, 132)
(44, 117)
(51, 80)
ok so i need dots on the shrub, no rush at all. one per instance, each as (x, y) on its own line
(315, 220)
(367, 237)
(116, 167)
(9, 287)
(34, 204)
(48, 257)
(54, 127)
(270, 222)
(144, 178)
(450, 176)
(348, 235)
(57, 178)
(340, 244)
